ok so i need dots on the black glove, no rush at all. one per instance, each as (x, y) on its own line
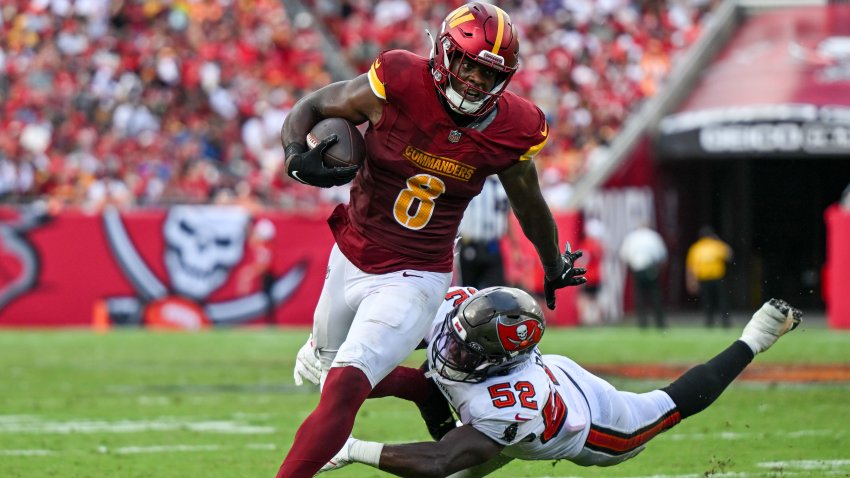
(569, 276)
(306, 166)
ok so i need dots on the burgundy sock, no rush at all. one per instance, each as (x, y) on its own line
(404, 382)
(324, 432)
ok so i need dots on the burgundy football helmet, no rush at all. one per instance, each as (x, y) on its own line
(481, 33)
(491, 333)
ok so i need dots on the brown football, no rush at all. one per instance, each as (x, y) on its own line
(350, 148)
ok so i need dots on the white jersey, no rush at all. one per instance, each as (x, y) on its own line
(551, 408)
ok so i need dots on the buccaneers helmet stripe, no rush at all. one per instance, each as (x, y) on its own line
(375, 82)
(500, 30)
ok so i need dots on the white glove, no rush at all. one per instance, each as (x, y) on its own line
(341, 459)
(307, 365)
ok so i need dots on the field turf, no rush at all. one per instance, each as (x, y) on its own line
(134, 404)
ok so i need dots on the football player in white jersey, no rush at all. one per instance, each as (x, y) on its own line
(515, 403)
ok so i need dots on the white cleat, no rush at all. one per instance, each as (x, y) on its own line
(775, 318)
(341, 459)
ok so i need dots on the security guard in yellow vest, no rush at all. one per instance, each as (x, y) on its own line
(706, 265)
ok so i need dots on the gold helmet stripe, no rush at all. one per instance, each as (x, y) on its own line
(457, 21)
(457, 12)
(500, 29)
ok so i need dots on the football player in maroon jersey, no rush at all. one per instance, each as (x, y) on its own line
(437, 128)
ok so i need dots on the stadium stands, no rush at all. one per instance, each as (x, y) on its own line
(157, 102)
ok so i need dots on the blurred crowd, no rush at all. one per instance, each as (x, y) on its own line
(586, 63)
(151, 102)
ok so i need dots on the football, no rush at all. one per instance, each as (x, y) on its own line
(350, 148)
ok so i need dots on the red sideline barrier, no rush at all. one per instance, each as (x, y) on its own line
(837, 267)
(81, 266)
(523, 268)
(186, 267)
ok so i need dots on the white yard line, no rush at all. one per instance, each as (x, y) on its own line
(30, 424)
(138, 449)
(25, 452)
(675, 436)
(788, 468)
(727, 474)
(806, 464)
(132, 450)
(36, 425)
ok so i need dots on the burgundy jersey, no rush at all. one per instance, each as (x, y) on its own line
(421, 169)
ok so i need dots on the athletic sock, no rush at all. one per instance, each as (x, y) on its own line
(700, 386)
(325, 431)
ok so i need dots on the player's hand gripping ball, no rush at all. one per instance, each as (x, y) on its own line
(335, 149)
(349, 149)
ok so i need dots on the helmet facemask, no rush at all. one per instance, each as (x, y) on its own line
(462, 96)
(460, 361)
(490, 334)
(481, 34)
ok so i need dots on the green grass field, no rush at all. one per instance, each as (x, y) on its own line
(222, 403)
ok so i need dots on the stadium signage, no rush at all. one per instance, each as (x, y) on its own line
(787, 129)
(135, 268)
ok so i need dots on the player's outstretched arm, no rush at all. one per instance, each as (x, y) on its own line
(461, 448)
(532, 212)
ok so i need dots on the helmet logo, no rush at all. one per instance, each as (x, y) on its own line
(522, 331)
(516, 338)
(491, 57)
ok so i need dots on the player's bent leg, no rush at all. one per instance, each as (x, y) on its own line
(437, 413)
(393, 317)
(483, 469)
(329, 426)
(333, 315)
(622, 423)
(410, 384)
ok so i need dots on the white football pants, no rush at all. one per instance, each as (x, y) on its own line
(373, 321)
